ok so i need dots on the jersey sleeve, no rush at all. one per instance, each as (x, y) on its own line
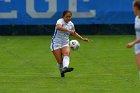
(59, 22)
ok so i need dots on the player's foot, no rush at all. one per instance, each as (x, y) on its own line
(66, 69)
(62, 74)
(69, 69)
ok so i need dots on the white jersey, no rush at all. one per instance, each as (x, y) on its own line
(137, 29)
(61, 38)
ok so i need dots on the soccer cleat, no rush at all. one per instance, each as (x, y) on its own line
(69, 69)
(62, 74)
(65, 69)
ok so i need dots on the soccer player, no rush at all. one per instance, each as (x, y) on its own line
(136, 43)
(60, 42)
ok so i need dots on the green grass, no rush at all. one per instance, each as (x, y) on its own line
(102, 66)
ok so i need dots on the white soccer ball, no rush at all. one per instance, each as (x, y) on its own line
(74, 44)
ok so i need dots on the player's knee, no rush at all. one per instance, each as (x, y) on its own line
(66, 54)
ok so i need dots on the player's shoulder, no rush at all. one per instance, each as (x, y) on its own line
(136, 18)
(60, 20)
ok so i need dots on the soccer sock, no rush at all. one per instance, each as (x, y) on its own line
(66, 61)
(60, 66)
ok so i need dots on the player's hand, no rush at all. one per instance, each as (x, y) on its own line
(86, 39)
(129, 45)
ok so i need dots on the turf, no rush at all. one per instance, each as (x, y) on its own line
(102, 66)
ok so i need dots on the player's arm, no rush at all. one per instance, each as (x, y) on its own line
(75, 34)
(131, 44)
(61, 28)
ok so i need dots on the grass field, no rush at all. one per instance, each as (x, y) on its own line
(102, 66)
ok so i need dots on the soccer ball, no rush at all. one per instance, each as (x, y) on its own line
(74, 44)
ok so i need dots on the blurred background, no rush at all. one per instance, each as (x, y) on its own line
(91, 17)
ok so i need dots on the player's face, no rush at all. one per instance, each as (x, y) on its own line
(67, 17)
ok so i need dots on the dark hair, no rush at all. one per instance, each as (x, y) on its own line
(65, 12)
(137, 4)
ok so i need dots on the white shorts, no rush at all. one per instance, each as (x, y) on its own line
(55, 46)
(137, 49)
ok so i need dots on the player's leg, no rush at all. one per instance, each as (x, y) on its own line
(137, 54)
(56, 50)
(138, 62)
(66, 54)
(66, 59)
(58, 56)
